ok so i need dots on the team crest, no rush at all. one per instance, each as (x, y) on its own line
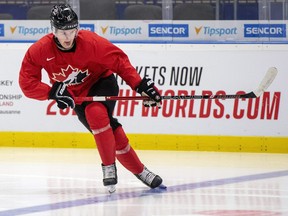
(71, 76)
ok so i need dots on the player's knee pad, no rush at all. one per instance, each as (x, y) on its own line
(97, 117)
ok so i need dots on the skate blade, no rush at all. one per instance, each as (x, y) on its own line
(163, 187)
(111, 188)
(160, 189)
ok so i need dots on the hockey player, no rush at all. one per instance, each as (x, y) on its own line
(81, 63)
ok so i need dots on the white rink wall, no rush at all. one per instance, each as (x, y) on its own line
(176, 69)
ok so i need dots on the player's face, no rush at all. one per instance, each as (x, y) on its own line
(66, 37)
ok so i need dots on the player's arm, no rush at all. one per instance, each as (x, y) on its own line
(119, 62)
(30, 79)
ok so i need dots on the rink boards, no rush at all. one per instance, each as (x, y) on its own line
(248, 125)
(150, 142)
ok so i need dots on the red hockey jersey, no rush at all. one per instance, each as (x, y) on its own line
(94, 57)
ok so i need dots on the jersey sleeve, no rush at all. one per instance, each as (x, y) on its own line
(117, 61)
(30, 75)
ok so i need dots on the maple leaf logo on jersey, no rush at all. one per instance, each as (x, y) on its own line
(70, 76)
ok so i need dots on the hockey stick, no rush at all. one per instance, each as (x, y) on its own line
(265, 83)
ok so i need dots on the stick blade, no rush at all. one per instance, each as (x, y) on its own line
(266, 82)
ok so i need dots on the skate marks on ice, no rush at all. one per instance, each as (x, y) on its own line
(163, 190)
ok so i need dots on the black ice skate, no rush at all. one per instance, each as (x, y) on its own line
(149, 178)
(110, 177)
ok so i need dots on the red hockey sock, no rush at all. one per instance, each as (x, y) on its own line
(125, 153)
(106, 146)
(99, 122)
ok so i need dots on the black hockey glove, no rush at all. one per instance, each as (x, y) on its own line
(147, 88)
(63, 98)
